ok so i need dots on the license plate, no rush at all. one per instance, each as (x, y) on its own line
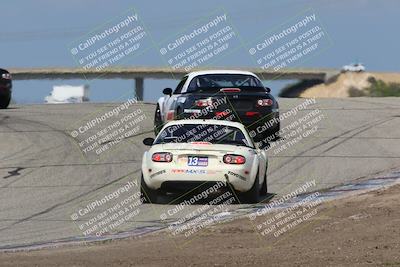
(197, 161)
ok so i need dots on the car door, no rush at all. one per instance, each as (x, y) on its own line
(170, 101)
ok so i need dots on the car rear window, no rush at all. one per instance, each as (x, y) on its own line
(215, 82)
(212, 133)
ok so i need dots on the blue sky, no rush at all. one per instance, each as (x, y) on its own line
(38, 34)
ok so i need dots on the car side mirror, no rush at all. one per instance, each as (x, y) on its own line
(167, 91)
(148, 141)
(268, 89)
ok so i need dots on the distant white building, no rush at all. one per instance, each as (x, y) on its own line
(68, 94)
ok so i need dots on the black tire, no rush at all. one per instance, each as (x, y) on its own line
(149, 195)
(5, 102)
(158, 124)
(264, 186)
(253, 195)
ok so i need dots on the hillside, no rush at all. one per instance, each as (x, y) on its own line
(345, 83)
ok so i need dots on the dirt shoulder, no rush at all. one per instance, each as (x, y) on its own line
(358, 231)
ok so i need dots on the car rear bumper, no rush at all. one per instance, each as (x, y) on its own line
(240, 177)
(187, 186)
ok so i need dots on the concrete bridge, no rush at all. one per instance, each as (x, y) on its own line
(140, 73)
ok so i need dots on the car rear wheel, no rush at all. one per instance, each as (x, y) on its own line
(149, 195)
(158, 124)
(253, 195)
(4, 102)
(264, 186)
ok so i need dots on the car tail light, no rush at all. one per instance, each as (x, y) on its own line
(252, 113)
(221, 113)
(161, 157)
(6, 76)
(234, 159)
(264, 102)
(230, 90)
(203, 102)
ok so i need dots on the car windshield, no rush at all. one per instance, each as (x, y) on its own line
(211, 133)
(218, 81)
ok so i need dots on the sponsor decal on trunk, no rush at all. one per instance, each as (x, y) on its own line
(237, 175)
(157, 173)
(192, 171)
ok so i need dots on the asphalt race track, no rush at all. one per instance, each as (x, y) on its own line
(45, 177)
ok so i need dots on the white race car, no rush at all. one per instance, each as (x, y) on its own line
(189, 153)
(356, 67)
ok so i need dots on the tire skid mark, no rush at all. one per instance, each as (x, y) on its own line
(60, 204)
(34, 139)
(29, 137)
(339, 136)
(12, 130)
(70, 164)
(342, 136)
